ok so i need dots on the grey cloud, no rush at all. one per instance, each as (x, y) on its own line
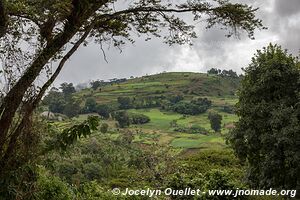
(210, 49)
(287, 8)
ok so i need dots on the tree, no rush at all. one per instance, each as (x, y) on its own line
(72, 108)
(103, 111)
(214, 71)
(123, 118)
(267, 133)
(49, 27)
(196, 106)
(176, 98)
(97, 84)
(55, 101)
(104, 128)
(67, 89)
(215, 120)
(125, 102)
(138, 118)
(90, 105)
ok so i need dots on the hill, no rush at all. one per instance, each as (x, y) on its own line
(152, 96)
(185, 83)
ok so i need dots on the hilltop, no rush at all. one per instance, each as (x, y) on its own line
(187, 84)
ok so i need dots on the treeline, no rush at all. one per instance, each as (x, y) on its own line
(223, 73)
(97, 84)
(62, 101)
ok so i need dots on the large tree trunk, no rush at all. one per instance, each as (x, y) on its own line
(28, 108)
(13, 99)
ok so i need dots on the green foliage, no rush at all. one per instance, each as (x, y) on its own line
(67, 89)
(62, 102)
(227, 109)
(175, 99)
(138, 118)
(125, 102)
(13, 187)
(215, 121)
(196, 106)
(72, 134)
(94, 191)
(72, 108)
(181, 181)
(267, 133)
(104, 110)
(213, 179)
(223, 73)
(97, 84)
(123, 118)
(55, 101)
(220, 180)
(52, 187)
(90, 105)
(204, 161)
(194, 129)
(103, 127)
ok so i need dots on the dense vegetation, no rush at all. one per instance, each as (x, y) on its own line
(267, 134)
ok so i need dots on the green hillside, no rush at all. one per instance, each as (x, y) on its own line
(187, 83)
(167, 127)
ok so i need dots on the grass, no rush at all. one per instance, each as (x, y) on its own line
(159, 120)
(202, 141)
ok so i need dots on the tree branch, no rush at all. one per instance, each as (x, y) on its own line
(31, 105)
(13, 99)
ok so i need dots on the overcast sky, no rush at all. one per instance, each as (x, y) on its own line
(210, 49)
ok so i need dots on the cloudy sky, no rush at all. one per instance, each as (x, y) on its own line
(210, 49)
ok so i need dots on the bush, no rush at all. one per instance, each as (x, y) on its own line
(194, 107)
(138, 119)
(93, 191)
(215, 121)
(122, 117)
(175, 99)
(52, 187)
(185, 108)
(217, 179)
(104, 128)
(105, 110)
(195, 129)
(90, 105)
(228, 109)
(125, 102)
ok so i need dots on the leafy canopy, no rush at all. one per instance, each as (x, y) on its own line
(267, 133)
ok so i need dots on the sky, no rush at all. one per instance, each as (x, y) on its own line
(210, 49)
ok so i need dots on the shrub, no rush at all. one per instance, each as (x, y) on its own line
(52, 187)
(138, 119)
(215, 121)
(195, 129)
(104, 128)
(123, 118)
